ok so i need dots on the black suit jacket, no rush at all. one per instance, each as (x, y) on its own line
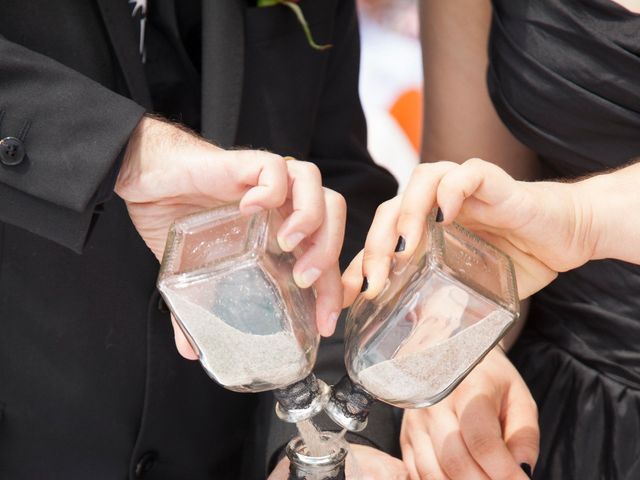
(91, 385)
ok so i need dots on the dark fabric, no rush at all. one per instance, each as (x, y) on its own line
(222, 69)
(91, 385)
(173, 78)
(564, 79)
(67, 157)
(124, 43)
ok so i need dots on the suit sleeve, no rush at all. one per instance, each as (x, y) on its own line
(339, 149)
(74, 132)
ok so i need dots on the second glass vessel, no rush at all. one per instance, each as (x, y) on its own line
(441, 311)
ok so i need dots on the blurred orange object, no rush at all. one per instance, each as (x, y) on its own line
(407, 111)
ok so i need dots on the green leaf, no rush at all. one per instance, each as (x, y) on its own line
(303, 22)
(268, 3)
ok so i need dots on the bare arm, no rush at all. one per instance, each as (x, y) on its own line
(459, 119)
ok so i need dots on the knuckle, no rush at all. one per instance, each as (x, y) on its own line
(454, 464)
(422, 168)
(528, 440)
(307, 223)
(481, 445)
(409, 216)
(447, 164)
(276, 160)
(476, 162)
(371, 255)
(429, 474)
(383, 207)
(426, 170)
(335, 198)
(310, 169)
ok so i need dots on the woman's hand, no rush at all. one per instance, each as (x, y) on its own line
(486, 429)
(363, 463)
(544, 226)
(169, 173)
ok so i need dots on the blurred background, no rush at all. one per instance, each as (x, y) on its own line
(391, 83)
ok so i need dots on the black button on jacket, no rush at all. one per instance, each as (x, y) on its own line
(11, 151)
(90, 380)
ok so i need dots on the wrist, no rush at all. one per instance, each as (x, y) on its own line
(595, 210)
(145, 168)
(131, 163)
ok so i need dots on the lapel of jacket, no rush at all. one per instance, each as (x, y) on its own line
(117, 20)
(222, 69)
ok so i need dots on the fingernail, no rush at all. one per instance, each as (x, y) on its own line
(439, 216)
(332, 320)
(291, 241)
(401, 245)
(308, 277)
(527, 469)
(365, 285)
(252, 209)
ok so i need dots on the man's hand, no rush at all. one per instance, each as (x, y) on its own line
(486, 429)
(169, 172)
(363, 463)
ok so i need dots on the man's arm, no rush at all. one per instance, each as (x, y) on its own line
(70, 134)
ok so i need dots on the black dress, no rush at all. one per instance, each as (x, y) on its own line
(564, 77)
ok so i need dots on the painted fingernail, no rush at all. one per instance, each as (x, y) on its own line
(526, 468)
(365, 285)
(439, 216)
(401, 245)
(332, 320)
(308, 277)
(291, 241)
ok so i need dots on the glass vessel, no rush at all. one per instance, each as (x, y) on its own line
(439, 314)
(330, 466)
(231, 290)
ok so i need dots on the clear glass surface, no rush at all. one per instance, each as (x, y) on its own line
(441, 311)
(330, 466)
(231, 289)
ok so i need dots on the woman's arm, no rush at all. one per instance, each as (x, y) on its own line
(459, 119)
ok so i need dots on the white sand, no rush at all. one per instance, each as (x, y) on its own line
(236, 358)
(420, 376)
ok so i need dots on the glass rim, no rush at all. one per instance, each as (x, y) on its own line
(332, 459)
(225, 211)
